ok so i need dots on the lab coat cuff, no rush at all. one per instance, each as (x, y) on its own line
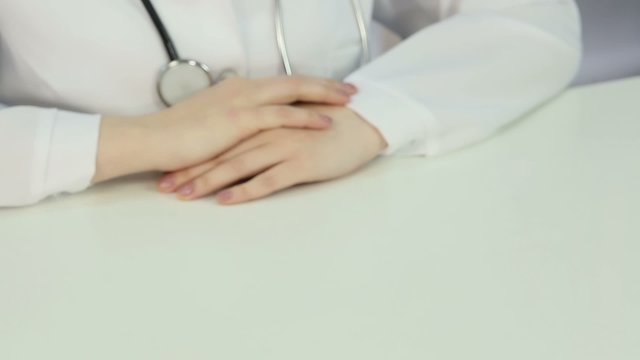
(73, 152)
(404, 123)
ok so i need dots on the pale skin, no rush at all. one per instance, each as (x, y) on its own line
(212, 122)
(277, 159)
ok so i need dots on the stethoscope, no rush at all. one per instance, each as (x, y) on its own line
(182, 78)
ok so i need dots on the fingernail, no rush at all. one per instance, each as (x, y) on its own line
(352, 89)
(186, 191)
(345, 93)
(326, 119)
(168, 183)
(225, 196)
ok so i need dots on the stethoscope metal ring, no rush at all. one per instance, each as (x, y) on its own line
(182, 78)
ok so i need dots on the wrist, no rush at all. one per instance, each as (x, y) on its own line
(377, 141)
(125, 147)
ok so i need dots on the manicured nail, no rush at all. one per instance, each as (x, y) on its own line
(168, 183)
(225, 196)
(186, 191)
(352, 89)
(345, 93)
(326, 119)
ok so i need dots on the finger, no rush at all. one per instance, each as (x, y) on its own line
(280, 177)
(232, 171)
(170, 182)
(271, 117)
(288, 90)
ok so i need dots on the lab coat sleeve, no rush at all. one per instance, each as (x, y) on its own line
(460, 80)
(45, 152)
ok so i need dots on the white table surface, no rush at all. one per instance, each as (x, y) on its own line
(524, 247)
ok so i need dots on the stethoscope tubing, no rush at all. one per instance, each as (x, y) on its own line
(169, 45)
(203, 75)
(282, 41)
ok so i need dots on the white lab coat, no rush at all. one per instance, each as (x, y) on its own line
(459, 70)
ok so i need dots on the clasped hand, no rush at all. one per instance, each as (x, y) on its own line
(279, 158)
(246, 139)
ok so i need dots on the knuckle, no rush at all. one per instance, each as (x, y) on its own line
(245, 120)
(237, 101)
(283, 112)
(234, 114)
(293, 145)
(329, 91)
(290, 145)
(295, 78)
(302, 170)
(308, 115)
(237, 167)
(204, 183)
(295, 83)
(240, 124)
(261, 116)
(301, 139)
(307, 79)
(269, 182)
(185, 175)
(233, 88)
(327, 86)
(318, 89)
(333, 83)
(244, 192)
(304, 161)
(251, 115)
(233, 81)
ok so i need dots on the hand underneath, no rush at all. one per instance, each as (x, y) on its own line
(212, 122)
(278, 159)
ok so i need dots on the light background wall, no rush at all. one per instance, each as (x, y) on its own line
(612, 39)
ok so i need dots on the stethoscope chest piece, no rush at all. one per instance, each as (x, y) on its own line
(181, 79)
